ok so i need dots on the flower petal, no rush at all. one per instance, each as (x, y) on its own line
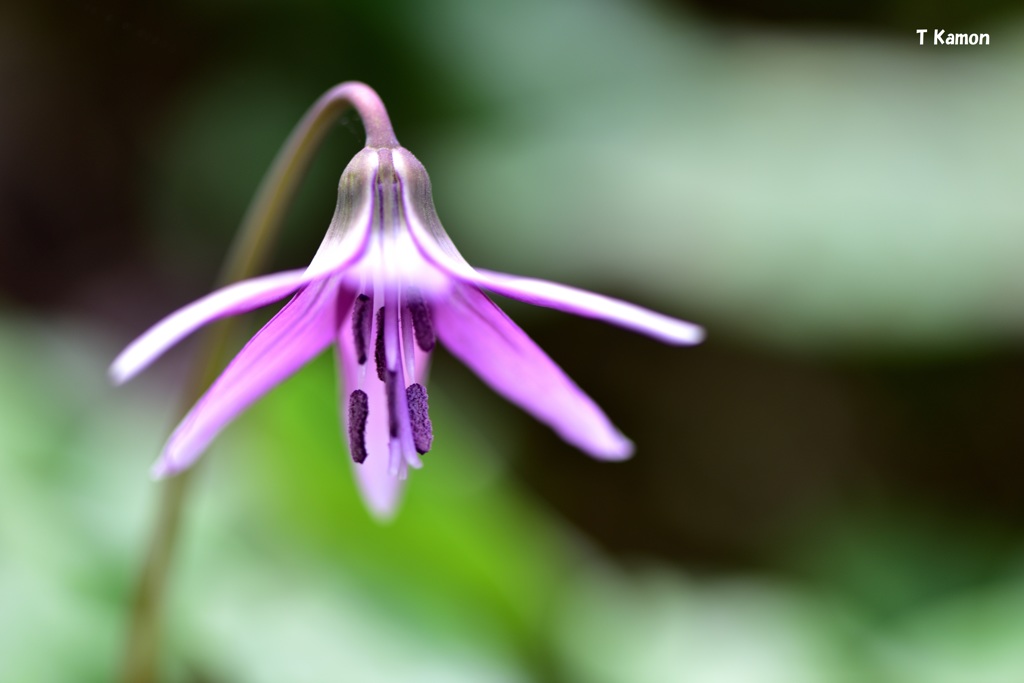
(380, 490)
(437, 248)
(300, 331)
(344, 244)
(476, 331)
(240, 297)
(590, 305)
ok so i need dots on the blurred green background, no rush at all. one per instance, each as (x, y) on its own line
(829, 490)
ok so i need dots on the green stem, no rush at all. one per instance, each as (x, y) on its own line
(248, 253)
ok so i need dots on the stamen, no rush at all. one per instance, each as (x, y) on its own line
(422, 324)
(361, 322)
(378, 351)
(419, 417)
(391, 389)
(358, 411)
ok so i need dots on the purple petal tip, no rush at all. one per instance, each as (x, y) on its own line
(124, 367)
(623, 450)
(162, 469)
(688, 334)
(116, 376)
(382, 514)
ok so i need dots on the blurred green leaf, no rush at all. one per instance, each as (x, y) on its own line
(657, 626)
(976, 637)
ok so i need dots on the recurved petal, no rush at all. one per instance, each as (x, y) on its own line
(240, 297)
(437, 248)
(300, 331)
(587, 304)
(477, 332)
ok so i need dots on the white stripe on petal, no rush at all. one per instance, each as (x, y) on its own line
(240, 297)
(437, 248)
(587, 304)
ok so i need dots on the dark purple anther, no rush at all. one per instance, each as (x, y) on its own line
(358, 411)
(361, 322)
(419, 417)
(422, 324)
(378, 351)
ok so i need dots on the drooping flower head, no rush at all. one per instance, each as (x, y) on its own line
(385, 286)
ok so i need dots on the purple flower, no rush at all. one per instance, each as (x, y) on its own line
(387, 284)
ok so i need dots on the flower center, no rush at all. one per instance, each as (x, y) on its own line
(392, 314)
(398, 332)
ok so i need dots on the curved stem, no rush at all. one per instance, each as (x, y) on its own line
(279, 185)
(258, 232)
